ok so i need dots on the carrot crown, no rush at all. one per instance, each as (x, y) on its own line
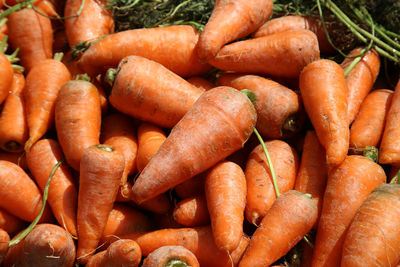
(176, 262)
(105, 148)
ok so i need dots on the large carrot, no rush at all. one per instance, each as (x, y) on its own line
(169, 255)
(347, 187)
(290, 218)
(282, 54)
(77, 119)
(324, 93)
(260, 189)
(192, 211)
(179, 158)
(162, 101)
(229, 21)
(10, 223)
(100, 175)
(4, 238)
(42, 85)
(171, 46)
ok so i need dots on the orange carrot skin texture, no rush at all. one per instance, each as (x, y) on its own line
(229, 21)
(367, 128)
(324, 93)
(62, 194)
(97, 260)
(192, 211)
(34, 42)
(225, 188)
(289, 23)
(4, 238)
(171, 46)
(100, 175)
(290, 218)
(13, 125)
(14, 256)
(313, 173)
(276, 105)
(161, 256)
(150, 138)
(49, 245)
(347, 187)
(260, 190)
(124, 252)
(77, 119)
(277, 54)
(372, 237)
(179, 158)
(18, 158)
(10, 223)
(40, 96)
(6, 80)
(93, 22)
(192, 187)
(201, 82)
(360, 79)
(161, 101)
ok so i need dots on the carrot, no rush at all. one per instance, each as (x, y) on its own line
(63, 195)
(280, 112)
(312, 175)
(87, 23)
(13, 258)
(201, 82)
(347, 187)
(323, 90)
(6, 80)
(42, 85)
(373, 236)
(260, 189)
(288, 220)
(13, 125)
(229, 21)
(389, 150)
(10, 223)
(77, 119)
(18, 158)
(295, 22)
(192, 211)
(179, 158)
(171, 46)
(34, 42)
(282, 54)
(367, 128)
(103, 95)
(101, 169)
(150, 138)
(161, 101)
(48, 245)
(170, 255)
(4, 238)
(191, 187)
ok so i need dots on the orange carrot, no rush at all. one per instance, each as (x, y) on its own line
(4, 238)
(162, 101)
(171, 46)
(260, 189)
(179, 158)
(201, 82)
(101, 170)
(191, 187)
(13, 125)
(347, 187)
(6, 80)
(167, 255)
(323, 90)
(282, 54)
(229, 21)
(62, 194)
(42, 85)
(192, 211)
(10, 223)
(14, 256)
(77, 119)
(18, 158)
(288, 220)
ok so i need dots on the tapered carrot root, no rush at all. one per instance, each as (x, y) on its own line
(42, 85)
(260, 189)
(282, 54)
(167, 255)
(4, 238)
(347, 187)
(77, 119)
(172, 46)
(179, 158)
(10, 223)
(161, 101)
(324, 93)
(290, 218)
(6, 77)
(192, 211)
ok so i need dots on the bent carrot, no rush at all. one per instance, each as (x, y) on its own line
(179, 158)
(167, 255)
(4, 238)
(192, 211)
(10, 223)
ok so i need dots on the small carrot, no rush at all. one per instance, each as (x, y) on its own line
(162, 101)
(282, 54)
(10, 223)
(179, 158)
(4, 238)
(193, 186)
(169, 256)
(201, 82)
(324, 93)
(192, 211)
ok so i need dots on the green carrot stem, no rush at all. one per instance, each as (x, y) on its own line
(16, 7)
(172, 13)
(3, 21)
(109, 78)
(83, 77)
(58, 56)
(396, 177)
(3, 44)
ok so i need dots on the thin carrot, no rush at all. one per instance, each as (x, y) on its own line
(324, 93)
(169, 256)
(192, 211)
(10, 223)
(4, 238)
(193, 186)
(201, 82)
(179, 158)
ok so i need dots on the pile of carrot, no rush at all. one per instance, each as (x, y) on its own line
(131, 154)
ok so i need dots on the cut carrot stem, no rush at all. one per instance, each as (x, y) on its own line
(58, 56)
(110, 76)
